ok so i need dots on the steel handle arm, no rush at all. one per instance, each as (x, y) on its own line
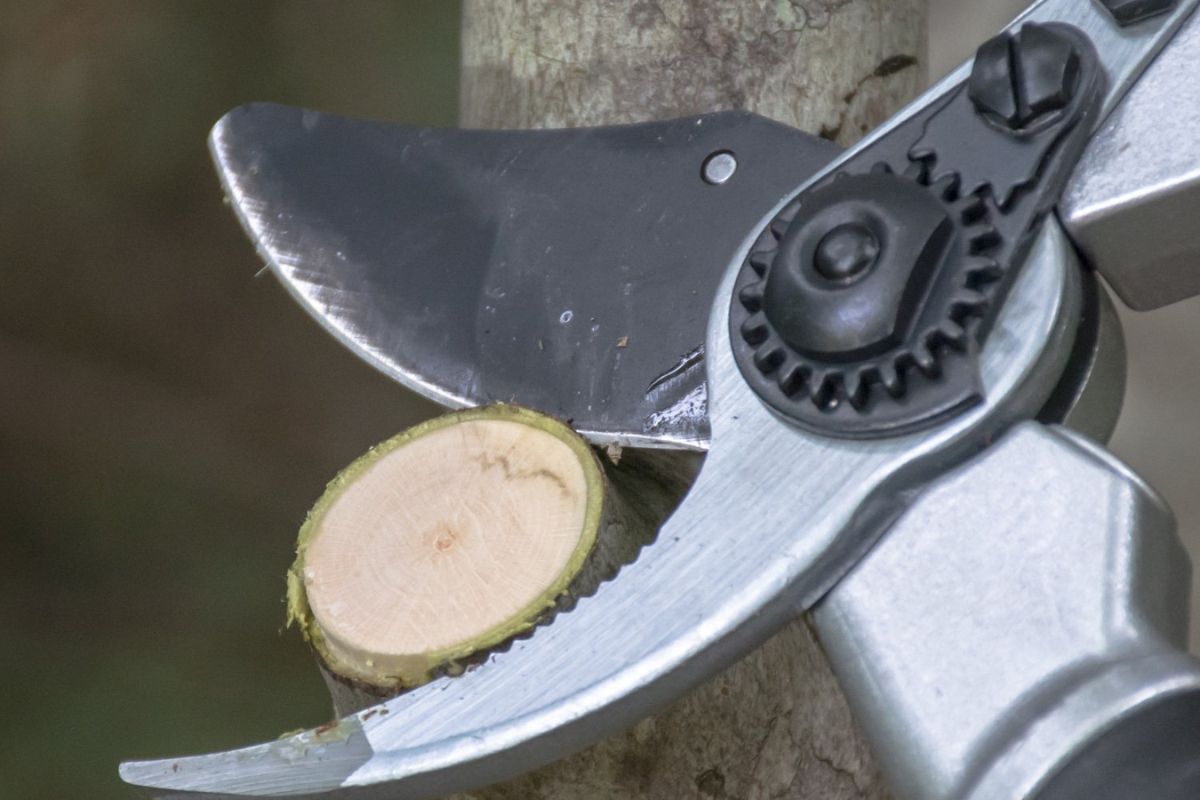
(1020, 633)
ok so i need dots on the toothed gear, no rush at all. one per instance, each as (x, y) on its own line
(859, 296)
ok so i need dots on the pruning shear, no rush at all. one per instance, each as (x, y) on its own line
(892, 356)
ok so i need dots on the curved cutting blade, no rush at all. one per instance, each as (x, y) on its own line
(567, 270)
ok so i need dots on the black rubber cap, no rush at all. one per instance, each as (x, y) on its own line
(853, 267)
(1127, 12)
(847, 252)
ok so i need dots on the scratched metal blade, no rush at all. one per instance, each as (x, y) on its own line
(567, 270)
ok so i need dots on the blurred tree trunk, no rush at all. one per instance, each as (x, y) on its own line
(776, 724)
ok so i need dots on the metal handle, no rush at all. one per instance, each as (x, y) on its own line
(1018, 633)
(1133, 193)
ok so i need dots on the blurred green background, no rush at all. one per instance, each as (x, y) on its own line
(166, 418)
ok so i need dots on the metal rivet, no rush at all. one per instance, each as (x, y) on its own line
(719, 167)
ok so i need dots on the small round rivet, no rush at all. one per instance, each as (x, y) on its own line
(719, 167)
(846, 252)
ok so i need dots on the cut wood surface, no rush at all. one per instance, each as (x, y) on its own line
(451, 538)
(444, 541)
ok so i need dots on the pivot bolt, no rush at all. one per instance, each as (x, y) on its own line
(846, 252)
(1021, 79)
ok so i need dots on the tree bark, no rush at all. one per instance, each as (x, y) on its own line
(833, 67)
(775, 725)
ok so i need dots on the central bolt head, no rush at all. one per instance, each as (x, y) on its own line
(1020, 79)
(847, 251)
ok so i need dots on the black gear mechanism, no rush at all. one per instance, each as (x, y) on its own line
(862, 308)
(862, 298)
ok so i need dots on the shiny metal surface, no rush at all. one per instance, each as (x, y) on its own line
(1132, 202)
(999, 629)
(1090, 394)
(1096, 405)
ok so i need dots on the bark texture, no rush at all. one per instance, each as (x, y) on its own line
(834, 67)
(775, 725)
